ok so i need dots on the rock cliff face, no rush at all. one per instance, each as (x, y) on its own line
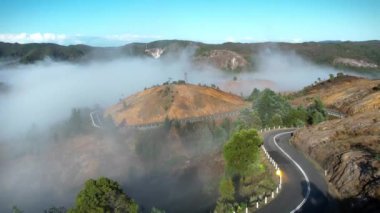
(155, 52)
(355, 174)
(349, 150)
(223, 59)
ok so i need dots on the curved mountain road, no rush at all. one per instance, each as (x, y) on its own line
(303, 186)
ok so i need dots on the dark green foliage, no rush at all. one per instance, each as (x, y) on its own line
(274, 110)
(339, 74)
(222, 206)
(29, 53)
(296, 117)
(254, 95)
(276, 120)
(317, 117)
(331, 77)
(103, 196)
(270, 107)
(242, 150)
(316, 112)
(226, 189)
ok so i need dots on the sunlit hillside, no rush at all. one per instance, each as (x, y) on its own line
(173, 101)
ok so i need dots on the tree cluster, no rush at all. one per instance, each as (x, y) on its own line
(103, 195)
(270, 109)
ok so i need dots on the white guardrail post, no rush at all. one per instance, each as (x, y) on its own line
(278, 171)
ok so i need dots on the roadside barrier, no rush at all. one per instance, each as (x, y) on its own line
(265, 198)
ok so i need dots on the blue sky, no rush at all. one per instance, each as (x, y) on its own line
(109, 23)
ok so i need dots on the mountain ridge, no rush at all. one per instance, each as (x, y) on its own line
(358, 53)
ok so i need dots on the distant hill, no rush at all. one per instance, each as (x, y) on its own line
(173, 101)
(364, 55)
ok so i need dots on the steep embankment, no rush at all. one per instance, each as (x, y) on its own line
(347, 94)
(173, 101)
(349, 150)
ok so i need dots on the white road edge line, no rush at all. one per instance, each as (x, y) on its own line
(299, 167)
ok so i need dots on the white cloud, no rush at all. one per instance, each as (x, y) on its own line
(33, 38)
(106, 40)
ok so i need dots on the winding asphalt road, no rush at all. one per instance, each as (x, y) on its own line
(303, 186)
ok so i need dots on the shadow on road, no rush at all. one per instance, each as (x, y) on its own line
(320, 202)
(317, 201)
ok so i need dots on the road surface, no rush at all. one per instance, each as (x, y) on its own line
(303, 186)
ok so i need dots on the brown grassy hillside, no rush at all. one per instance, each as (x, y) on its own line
(173, 101)
(348, 94)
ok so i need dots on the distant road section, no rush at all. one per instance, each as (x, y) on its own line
(95, 119)
(304, 189)
(335, 113)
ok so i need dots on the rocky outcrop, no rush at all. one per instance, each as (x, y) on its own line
(349, 150)
(350, 62)
(155, 52)
(355, 174)
(223, 59)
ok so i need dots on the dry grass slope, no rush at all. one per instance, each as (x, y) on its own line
(348, 94)
(174, 101)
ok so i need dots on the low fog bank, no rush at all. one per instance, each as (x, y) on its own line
(53, 173)
(289, 70)
(45, 92)
(39, 172)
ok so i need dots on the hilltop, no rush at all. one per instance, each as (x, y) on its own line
(347, 94)
(364, 55)
(173, 101)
